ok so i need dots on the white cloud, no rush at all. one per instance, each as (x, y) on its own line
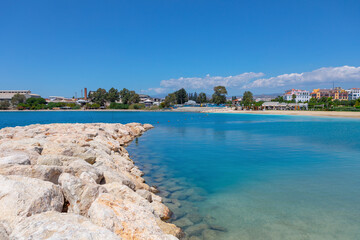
(321, 75)
(155, 90)
(158, 90)
(208, 82)
(251, 80)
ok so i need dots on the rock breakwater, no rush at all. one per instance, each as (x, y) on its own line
(77, 181)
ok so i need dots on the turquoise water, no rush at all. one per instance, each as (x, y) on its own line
(237, 176)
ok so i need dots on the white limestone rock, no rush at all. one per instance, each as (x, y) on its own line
(20, 159)
(79, 166)
(45, 173)
(54, 225)
(145, 194)
(22, 197)
(78, 193)
(3, 234)
(126, 218)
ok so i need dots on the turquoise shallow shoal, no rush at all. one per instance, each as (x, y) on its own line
(244, 176)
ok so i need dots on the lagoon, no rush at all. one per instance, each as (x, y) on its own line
(243, 176)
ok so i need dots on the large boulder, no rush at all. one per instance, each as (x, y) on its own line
(54, 225)
(22, 197)
(126, 218)
(79, 166)
(46, 173)
(79, 193)
(161, 210)
(21, 159)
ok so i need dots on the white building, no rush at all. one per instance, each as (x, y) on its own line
(353, 93)
(6, 95)
(300, 95)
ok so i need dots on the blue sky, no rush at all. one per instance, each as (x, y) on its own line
(60, 47)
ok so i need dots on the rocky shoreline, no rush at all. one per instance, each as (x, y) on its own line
(76, 181)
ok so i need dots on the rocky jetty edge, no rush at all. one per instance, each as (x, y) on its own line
(77, 181)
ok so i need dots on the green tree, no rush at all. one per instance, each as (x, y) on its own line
(125, 95)
(4, 105)
(293, 98)
(170, 99)
(18, 98)
(129, 97)
(219, 96)
(181, 96)
(279, 99)
(35, 101)
(99, 97)
(248, 98)
(133, 97)
(113, 95)
(202, 98)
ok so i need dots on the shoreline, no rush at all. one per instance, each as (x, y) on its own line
(78, 178)
(340, 114)
(355, 115)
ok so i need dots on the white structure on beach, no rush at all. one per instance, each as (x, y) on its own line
(284, 106)
(353, 93)
(300, 95)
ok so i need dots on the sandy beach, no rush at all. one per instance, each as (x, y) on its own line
(295, 113)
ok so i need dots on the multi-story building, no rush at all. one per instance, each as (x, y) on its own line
(336, 94)
(353, 93)
(300, 95)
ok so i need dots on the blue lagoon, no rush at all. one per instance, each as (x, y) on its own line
(239, 176)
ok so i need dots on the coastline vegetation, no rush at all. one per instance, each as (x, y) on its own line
(127, 99)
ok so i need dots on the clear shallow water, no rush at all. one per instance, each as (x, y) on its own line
(244, 176)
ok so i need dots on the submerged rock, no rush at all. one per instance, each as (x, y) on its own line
(183, 222)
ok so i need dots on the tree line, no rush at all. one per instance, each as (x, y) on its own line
(101, 96)
(181, 96)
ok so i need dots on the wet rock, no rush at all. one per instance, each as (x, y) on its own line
(148, 126)
(164, 193)
(194, 217)
(209, 234)
(20, 159)
(170, 229)
(161, 210)
(22, 197)
(196, 238)
(176, 212)
(175, 188)
(196, 229)
(154, 189)
(183, 222)
(179, 195)
(45, 173)
(54, 225)
(78, 193)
